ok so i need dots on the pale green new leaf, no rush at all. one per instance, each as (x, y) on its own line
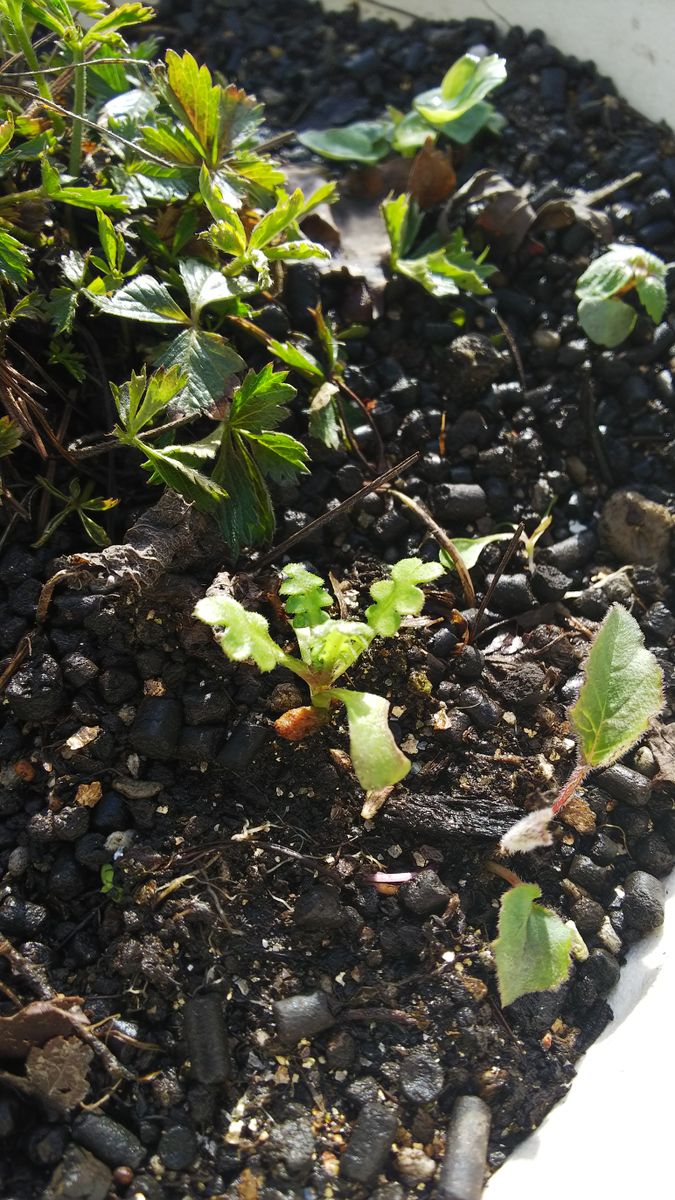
(403, 219)
(144, 299)
(306, 596)
(468, 81)
(334, 646)
(622, 691)
(399, 595)
(533, 949)
(364, 141)
(246, 635)
(376, 759)
(653, 295)
(108, 25)
(470, 549)
(322, 416)
(607, 322)
(296, 358)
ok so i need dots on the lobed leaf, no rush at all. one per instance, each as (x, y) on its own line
(14, 259)
(207, 361)
(377, 760)
(332, 647)
(621, 693)
(144, 299)
(533, 949)
(399, 595)
(245, 635)
(306, 596)
(259, 403)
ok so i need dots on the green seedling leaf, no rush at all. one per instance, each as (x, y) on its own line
(403, 220)
(306, 596)
(259, 403)
(468, 81)
(206, 286)
(332, 647)
(399, 595)
(177, 472)
(296, 358)
(470, 549)
(533, 949)
(653, 296)
(411, 133)
(10, 436)
(377, 761)
(607, 322)
(622, 691)
(323, 422)
(207, 361)
(14, 259)
(245, 635)
(364, 141)
(144, 299)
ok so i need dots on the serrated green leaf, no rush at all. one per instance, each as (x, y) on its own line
(14, 259)
(403, 219)
(468, 81)
(204, 285)
(364, 141)
(607, 322)
(605, 277)
(259, 403)
(306, 596)
(296, 358)
(246, 634)
(279, 456)
(144, 299)
(61, 308)
(207, 361)
(532, 951)
(111, 22)
(198, 99)
(334, 646)
(653, 296)
(247, 518)
(298, 250)
(112, 243)
(171, 143)
(399, 595)
(377, 760)
(80, 197)
(470, 549)
(323, 422)
(182, 477)
(93, 530)
(622, 691)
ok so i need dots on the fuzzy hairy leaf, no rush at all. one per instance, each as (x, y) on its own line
(306, 596)
(332, 647)
(245, 636)
(621, 693)
(532, 951)
(399, 595)
(376, 759)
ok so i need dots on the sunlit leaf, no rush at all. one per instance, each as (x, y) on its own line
(306, 596)
(399, 595)
(245, 634)
(377, 760)
(533, 949)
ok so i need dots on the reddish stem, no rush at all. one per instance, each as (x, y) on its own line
(575, 780)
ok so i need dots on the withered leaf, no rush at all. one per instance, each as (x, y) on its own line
(36, 1024)
(89, 794)
(565, 210)
(58, 1071)
(505, 214)
(432, 177)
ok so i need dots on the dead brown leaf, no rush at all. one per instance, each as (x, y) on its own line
(36, 1024)
(566, 210)
(89, 794)
(506, 215)
(432, 177)
(58, 1071)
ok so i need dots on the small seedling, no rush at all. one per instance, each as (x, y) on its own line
(457, 110)
(108, 885)
(606, 318)
(444, 267)
(621, 694)
(78, 500)
(328, 648)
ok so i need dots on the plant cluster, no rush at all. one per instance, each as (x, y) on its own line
(603, 315)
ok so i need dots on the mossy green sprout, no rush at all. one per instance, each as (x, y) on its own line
(328, 648)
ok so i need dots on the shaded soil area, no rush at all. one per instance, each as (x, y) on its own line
(266, 1020)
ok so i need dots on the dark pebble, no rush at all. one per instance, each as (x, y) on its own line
(108, 1140)
(456, 724)
(71, 823)
(391, 526)
(538, 1011)
(421, 1076)
(46, 1145)
(289, 1150)
(602, 968)
(659, 621)
(319, 910)
(604, 850)
(201, 743)
(117, 686)
(653, 854)
(341, 1051)
(205, 706)
(242, 746)
(65, 878)
(625, 784)
(548, 583)
(425, 894)
(587, 915)
(644, 900)
(523, 686)
(110, 814)
(6, 1118)
(462, 1172)
(300, 1017)
(21, 918)
(511, 594)
(571, 553)
(79, 1176)
(469, 663)
(36, 690)
(589, 875)
(177, 1147)
(458, 502)
(362, 1091)
(155, 730)
(442, 643)
(206, 1039)
(369, 1145)
(482, 711)
(78, 670)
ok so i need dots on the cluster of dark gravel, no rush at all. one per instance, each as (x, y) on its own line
(134, 697)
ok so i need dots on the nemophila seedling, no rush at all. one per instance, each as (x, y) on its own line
(621, 694)
(329, 647)
(603, 315)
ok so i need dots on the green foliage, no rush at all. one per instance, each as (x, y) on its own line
(533, 949)
(621, 694)
(443, 268)
(471, 549)
(328, 648)
(10, 436)
(399, 595)
(607, 319)
(457, 110)
(78, 500)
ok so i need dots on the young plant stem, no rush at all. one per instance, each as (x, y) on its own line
(79, 105)
(575, 780)
(443, 540)
(31, 58)
(11, 198)
(504, 873)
